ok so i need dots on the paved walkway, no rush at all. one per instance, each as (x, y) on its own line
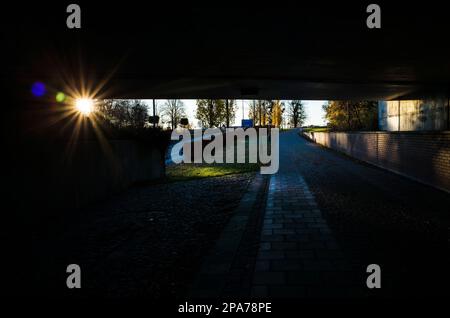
(292, 253)
(298, 255)
(372, 217)
(287, 237)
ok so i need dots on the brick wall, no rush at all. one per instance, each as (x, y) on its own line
(422, 156)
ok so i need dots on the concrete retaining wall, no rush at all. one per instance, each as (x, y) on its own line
(412, 115)
(62, 177)
(422, 156)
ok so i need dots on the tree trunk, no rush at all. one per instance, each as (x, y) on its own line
(228, 113)
(154, 114)
(260, 113)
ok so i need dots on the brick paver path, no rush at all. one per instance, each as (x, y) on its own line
(298, 255)
(324, 219)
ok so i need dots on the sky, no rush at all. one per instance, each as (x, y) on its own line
(313, 110)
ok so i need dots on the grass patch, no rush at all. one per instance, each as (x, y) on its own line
(191, 171)
(185, 172)
(316, 129)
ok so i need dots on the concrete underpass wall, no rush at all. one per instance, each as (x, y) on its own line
(63, 178)
(422, 156)
(412, 115)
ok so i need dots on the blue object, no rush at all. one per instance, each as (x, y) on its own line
(247, 123)
(38, 89)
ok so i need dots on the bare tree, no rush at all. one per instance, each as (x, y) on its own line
(173, 110)
(123, 113)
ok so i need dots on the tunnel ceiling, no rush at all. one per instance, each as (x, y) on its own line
(315, 51)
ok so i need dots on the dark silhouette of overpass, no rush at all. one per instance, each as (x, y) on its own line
(310, 51)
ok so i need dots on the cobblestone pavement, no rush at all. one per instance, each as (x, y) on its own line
(147, 242)
(326, 218)
(228, 268)
(298, 255)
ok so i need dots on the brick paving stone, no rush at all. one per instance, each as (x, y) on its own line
(223, 271)
(269, 278)
(284, 246)
(294, 254)
(260, 291)
(286, 265)
(287, 292)
(303, 254)
(262, 266)
(264, 255)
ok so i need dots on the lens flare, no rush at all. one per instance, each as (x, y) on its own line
(38, 89)
(84, 105)
(60, 97)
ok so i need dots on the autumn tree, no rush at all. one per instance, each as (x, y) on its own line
(261, 111)
(269, 111)
(351, 115)
(253, 112)
(173, 110)
(296, 113)
(277, 113)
